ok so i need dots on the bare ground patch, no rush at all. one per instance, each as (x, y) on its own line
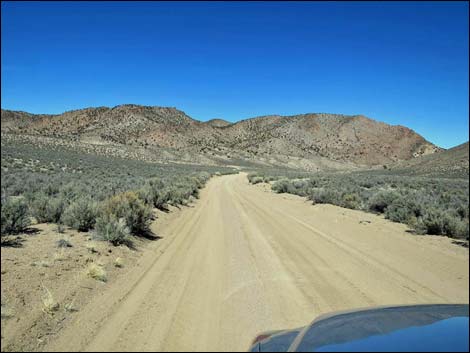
(46, 280)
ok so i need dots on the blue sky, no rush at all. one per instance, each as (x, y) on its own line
(399, 62)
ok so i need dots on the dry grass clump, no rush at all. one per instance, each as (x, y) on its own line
(91, 247)
(119, 262)
(50, 305)
(97, 272)
(70, 307)
(6, 311)
(60, 256)
(41, 263)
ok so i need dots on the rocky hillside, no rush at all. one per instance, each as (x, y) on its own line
(336, 137)
(332, 137)
(453, 162)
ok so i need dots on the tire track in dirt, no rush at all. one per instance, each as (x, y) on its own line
(387, 272)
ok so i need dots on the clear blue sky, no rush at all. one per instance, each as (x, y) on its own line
(401, 63)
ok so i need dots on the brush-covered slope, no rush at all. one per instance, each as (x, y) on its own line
(453, 162)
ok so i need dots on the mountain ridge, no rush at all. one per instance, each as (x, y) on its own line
(337, 137)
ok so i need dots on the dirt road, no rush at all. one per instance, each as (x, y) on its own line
(245, 260)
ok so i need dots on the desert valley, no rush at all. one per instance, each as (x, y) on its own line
(137, 228)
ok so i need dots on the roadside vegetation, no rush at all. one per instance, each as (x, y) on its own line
(427, 205)
(112, 197)
(77, 217)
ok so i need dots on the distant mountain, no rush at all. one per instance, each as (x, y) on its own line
(338, 138)
(453, 162)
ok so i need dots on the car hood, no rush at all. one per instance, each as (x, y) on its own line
(400, 328)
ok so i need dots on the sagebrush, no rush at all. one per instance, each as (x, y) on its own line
(427, 205)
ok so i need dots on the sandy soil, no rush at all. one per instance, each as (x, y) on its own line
(245, 260)
(35, 266)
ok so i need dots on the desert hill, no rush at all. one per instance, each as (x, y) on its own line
(218, 123)
(308, 137)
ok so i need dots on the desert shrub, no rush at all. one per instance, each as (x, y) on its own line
(459, 228)
(47, 209)
(440, 223)
(175, 196)
(432, 222)
(268, 178)
(161, 199)
(252, 176)
(255, 178)
(325, 196)
(461, 209)
(154, 194)
(203, 177)
(396, 213)
(160, 193)
(60, 228)
(80, 214)
(367, 184)
(64, 243)
(402, 209)
(381, 200)
(455, 227)
(282, 186)
(299, 187)
(180, 193)
(299, 184)
(192, 189)
(69, 174)
(14, 216)
(351, 200)
(109, 228)
(427, 205)
(133, 210)
(145, 194)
